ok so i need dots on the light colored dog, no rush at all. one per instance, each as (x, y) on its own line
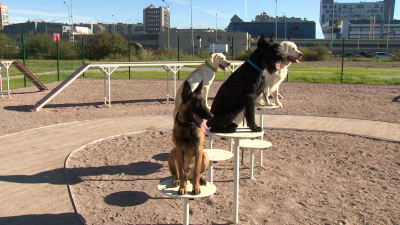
(273, 81)
(205, 73)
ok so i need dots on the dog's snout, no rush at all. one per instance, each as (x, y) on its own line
(300, 54)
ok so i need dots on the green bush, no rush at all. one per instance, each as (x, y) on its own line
(308, 55)
(321, 53)
(396, 53)
(243, 55)
(106, 45)
(7, 48)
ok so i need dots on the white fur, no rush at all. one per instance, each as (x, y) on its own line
(273, 81)
(203, 72)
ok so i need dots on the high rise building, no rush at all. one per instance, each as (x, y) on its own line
(156, 19)
(380, 10)
(3, 16)
(370, 19)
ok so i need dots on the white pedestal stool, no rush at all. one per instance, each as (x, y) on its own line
(254, 144)
(215, 155)
(167, 187)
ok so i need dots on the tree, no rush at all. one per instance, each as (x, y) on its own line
(103, 45)
(7, 48)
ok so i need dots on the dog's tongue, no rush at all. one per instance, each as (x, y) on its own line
(277, 65)
(297, 61)
(202, 124)
(226, 69)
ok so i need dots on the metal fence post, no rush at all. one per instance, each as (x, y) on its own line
(178, 58)
(83, 56)
(129, 55)
(341, 77)
(23, 55)
(58, 62)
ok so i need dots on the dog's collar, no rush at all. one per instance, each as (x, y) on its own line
(211, 67)
(256, 67)
(185, 126)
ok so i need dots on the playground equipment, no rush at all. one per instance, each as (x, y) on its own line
(7, 62)
(109, 67)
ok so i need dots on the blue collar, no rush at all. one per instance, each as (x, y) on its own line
(256, 67)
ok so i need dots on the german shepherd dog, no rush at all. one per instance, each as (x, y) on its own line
(187, 160)
(240, 90)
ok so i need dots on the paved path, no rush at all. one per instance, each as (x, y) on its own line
(33, 187)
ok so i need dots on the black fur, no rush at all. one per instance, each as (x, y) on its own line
(240, 90)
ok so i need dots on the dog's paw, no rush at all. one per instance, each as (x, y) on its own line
(196, 190)
(279, 104)
(182, 191)
(203, 181)
(270, 104)
(176, 183)
(256, 129)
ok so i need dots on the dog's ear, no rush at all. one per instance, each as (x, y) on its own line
(199, 88)
(213, 57)
(261, 40)
(283, 48)
(186, 91)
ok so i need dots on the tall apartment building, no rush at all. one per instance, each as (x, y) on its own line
(156, 19)
(3, 16)
(357, 10)
(339, 17)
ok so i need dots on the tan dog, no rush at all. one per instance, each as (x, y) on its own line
(273, 81)
(205, 72)
(187, 160)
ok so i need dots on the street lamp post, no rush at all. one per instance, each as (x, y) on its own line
(69, 22)
(285, 24)
(276, 19)
(115, 24)
(191, 22)
(216, 28)
(333, 20)
(168, 19)
(72, 25)
(388, 32)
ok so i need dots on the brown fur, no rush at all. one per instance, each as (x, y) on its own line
(187, 161)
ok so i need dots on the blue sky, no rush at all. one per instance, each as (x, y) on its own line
(204, 11)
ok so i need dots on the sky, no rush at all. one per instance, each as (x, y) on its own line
(205, 13)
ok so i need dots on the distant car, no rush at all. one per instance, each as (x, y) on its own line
(383, 55)
(351, 55)
(366, 54)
